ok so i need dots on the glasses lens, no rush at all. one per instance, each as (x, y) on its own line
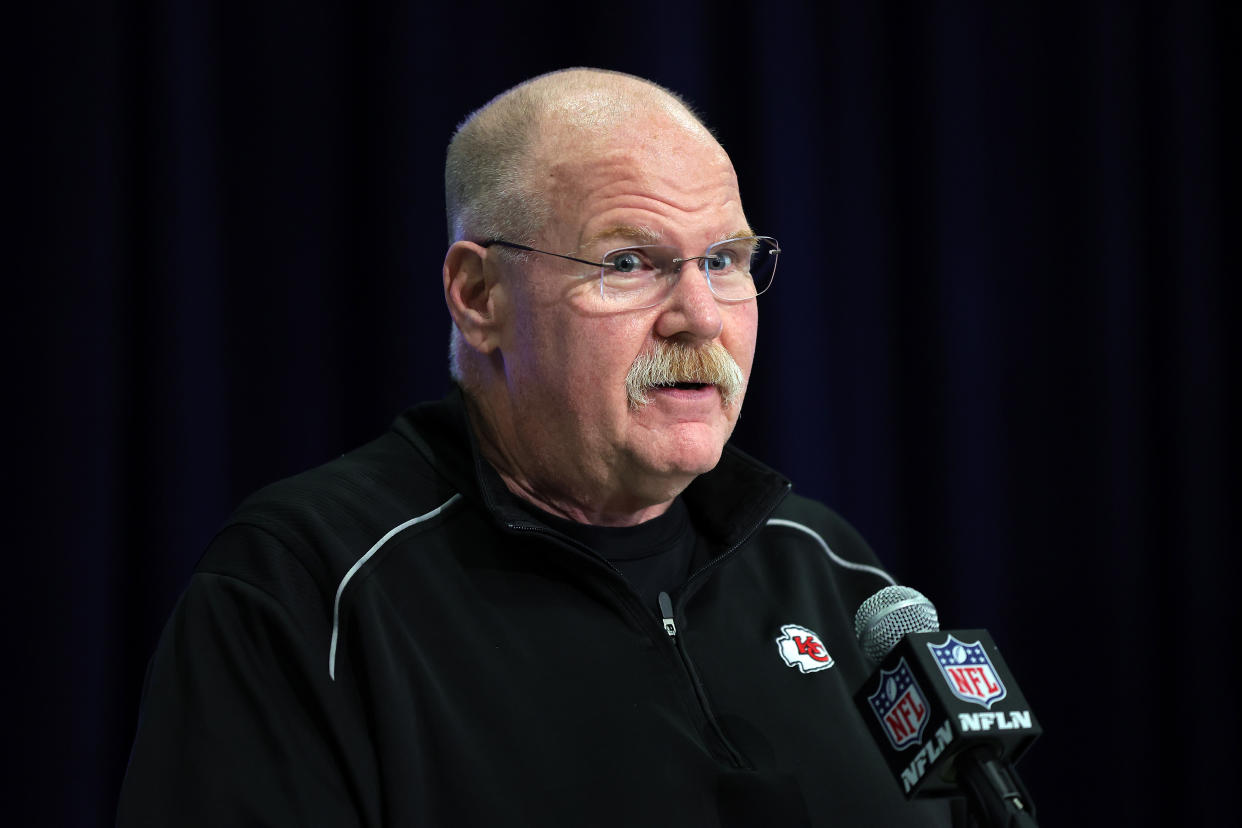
(639, 277)
(743, 268)
(636, 277)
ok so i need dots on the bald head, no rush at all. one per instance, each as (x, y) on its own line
(492, 172)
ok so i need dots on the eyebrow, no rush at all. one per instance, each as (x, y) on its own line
(627, 232)
(645, 235)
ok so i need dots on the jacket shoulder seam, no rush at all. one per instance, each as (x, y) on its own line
(362, 561)
(832, 556)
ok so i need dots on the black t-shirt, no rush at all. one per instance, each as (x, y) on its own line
(655, 556)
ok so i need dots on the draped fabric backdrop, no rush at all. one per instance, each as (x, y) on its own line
(997, 342)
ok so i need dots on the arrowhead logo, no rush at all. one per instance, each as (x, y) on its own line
(802, 648)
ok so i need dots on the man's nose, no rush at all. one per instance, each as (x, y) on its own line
(690, 310)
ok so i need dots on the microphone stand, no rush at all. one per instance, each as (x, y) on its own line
(996, 794)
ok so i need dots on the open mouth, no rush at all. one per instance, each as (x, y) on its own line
(688, 386)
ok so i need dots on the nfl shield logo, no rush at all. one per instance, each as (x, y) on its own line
(900, 706)
(968, 671)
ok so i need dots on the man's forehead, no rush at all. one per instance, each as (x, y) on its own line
(642, 234)
(648, 157)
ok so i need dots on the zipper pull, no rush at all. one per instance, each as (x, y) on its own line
(666, 609)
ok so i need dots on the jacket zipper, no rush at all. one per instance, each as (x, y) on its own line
(667, 611)
(669, 620)
(670, 628)
(700, 692)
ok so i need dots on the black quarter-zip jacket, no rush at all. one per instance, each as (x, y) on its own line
(389, 640)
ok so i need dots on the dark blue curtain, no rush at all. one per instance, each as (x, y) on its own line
(998, 341)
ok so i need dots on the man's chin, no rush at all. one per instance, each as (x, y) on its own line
(687, 448)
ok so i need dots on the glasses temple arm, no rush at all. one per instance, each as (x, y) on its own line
(516, 246)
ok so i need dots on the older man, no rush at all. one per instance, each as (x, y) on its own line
(557, 597)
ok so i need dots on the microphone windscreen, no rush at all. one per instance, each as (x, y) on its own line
(889, 616)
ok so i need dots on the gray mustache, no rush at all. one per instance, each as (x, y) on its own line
(669, 363)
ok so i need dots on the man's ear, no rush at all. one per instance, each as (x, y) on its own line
(471, 293)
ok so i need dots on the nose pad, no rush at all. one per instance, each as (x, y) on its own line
(698, 267)
(689, 311)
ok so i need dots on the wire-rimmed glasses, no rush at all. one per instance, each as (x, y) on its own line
(642, 276)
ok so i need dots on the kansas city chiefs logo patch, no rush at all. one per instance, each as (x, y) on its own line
(802, 648)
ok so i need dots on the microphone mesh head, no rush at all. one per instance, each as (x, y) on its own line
(889, 616)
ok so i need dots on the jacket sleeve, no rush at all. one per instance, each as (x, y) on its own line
(240, 723)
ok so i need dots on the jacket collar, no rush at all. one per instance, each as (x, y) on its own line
(726, 503)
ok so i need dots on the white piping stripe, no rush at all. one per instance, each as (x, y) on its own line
(358, 564)
(833, 555)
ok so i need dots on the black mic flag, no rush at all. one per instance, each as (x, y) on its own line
(942, 702)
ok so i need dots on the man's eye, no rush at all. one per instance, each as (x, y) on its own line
(722, 260)
(627, 262)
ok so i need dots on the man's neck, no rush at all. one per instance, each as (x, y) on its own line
(597, 508)
(621, 513)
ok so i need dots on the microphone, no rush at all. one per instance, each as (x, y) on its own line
(944, 708)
